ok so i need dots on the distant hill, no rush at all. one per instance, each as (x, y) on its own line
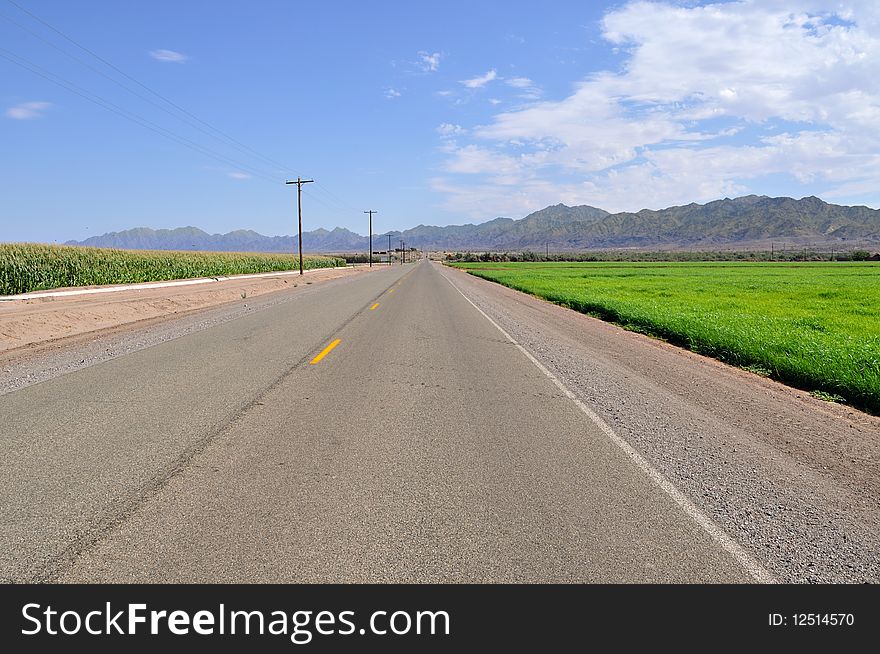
(241, 240)
(752, 219)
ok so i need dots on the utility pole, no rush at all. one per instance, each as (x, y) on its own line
(371, 235)
(389, 249)
(299, 189)
(547, 256)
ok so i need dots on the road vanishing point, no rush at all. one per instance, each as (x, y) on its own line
(416, 424)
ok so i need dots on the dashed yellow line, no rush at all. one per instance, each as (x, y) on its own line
(325, 351)
(391, 291)
(374, 306)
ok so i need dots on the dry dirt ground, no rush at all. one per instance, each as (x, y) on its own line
(31, 324)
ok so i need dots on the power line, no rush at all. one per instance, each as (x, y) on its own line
(214, 132)
(123, 86)
(217, 132)
(104, 61)
(329, 201)
(125, 113)
(323, 202)
(334, 196)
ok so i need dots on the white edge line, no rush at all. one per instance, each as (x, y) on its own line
(134, 287)
(755, 569)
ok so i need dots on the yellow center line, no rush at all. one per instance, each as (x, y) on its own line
(374, 306)
(391, 291)
(325, 351)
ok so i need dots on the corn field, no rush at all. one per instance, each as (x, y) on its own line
(28, 267)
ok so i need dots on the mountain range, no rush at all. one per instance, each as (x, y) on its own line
(750, 220)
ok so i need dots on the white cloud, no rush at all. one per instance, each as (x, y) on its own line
(519, 82)
(474, 159)
(169, 56)
(27, 110)
(238, 175)
(429, 62)
(448, 129)
(392, 93)
(481, 81)
(528, 89)
(494, 101)
(688, 114)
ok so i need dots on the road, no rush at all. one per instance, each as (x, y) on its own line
(383, 429)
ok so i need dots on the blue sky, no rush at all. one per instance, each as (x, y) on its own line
(431, 113)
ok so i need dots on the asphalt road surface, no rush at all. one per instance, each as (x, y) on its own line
(392, 427)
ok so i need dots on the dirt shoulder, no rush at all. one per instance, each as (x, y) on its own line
(28, 324)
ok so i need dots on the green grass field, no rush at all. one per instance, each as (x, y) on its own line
(812, 325)
(32, 267)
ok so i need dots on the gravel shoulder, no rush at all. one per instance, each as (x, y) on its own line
(792, 478)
